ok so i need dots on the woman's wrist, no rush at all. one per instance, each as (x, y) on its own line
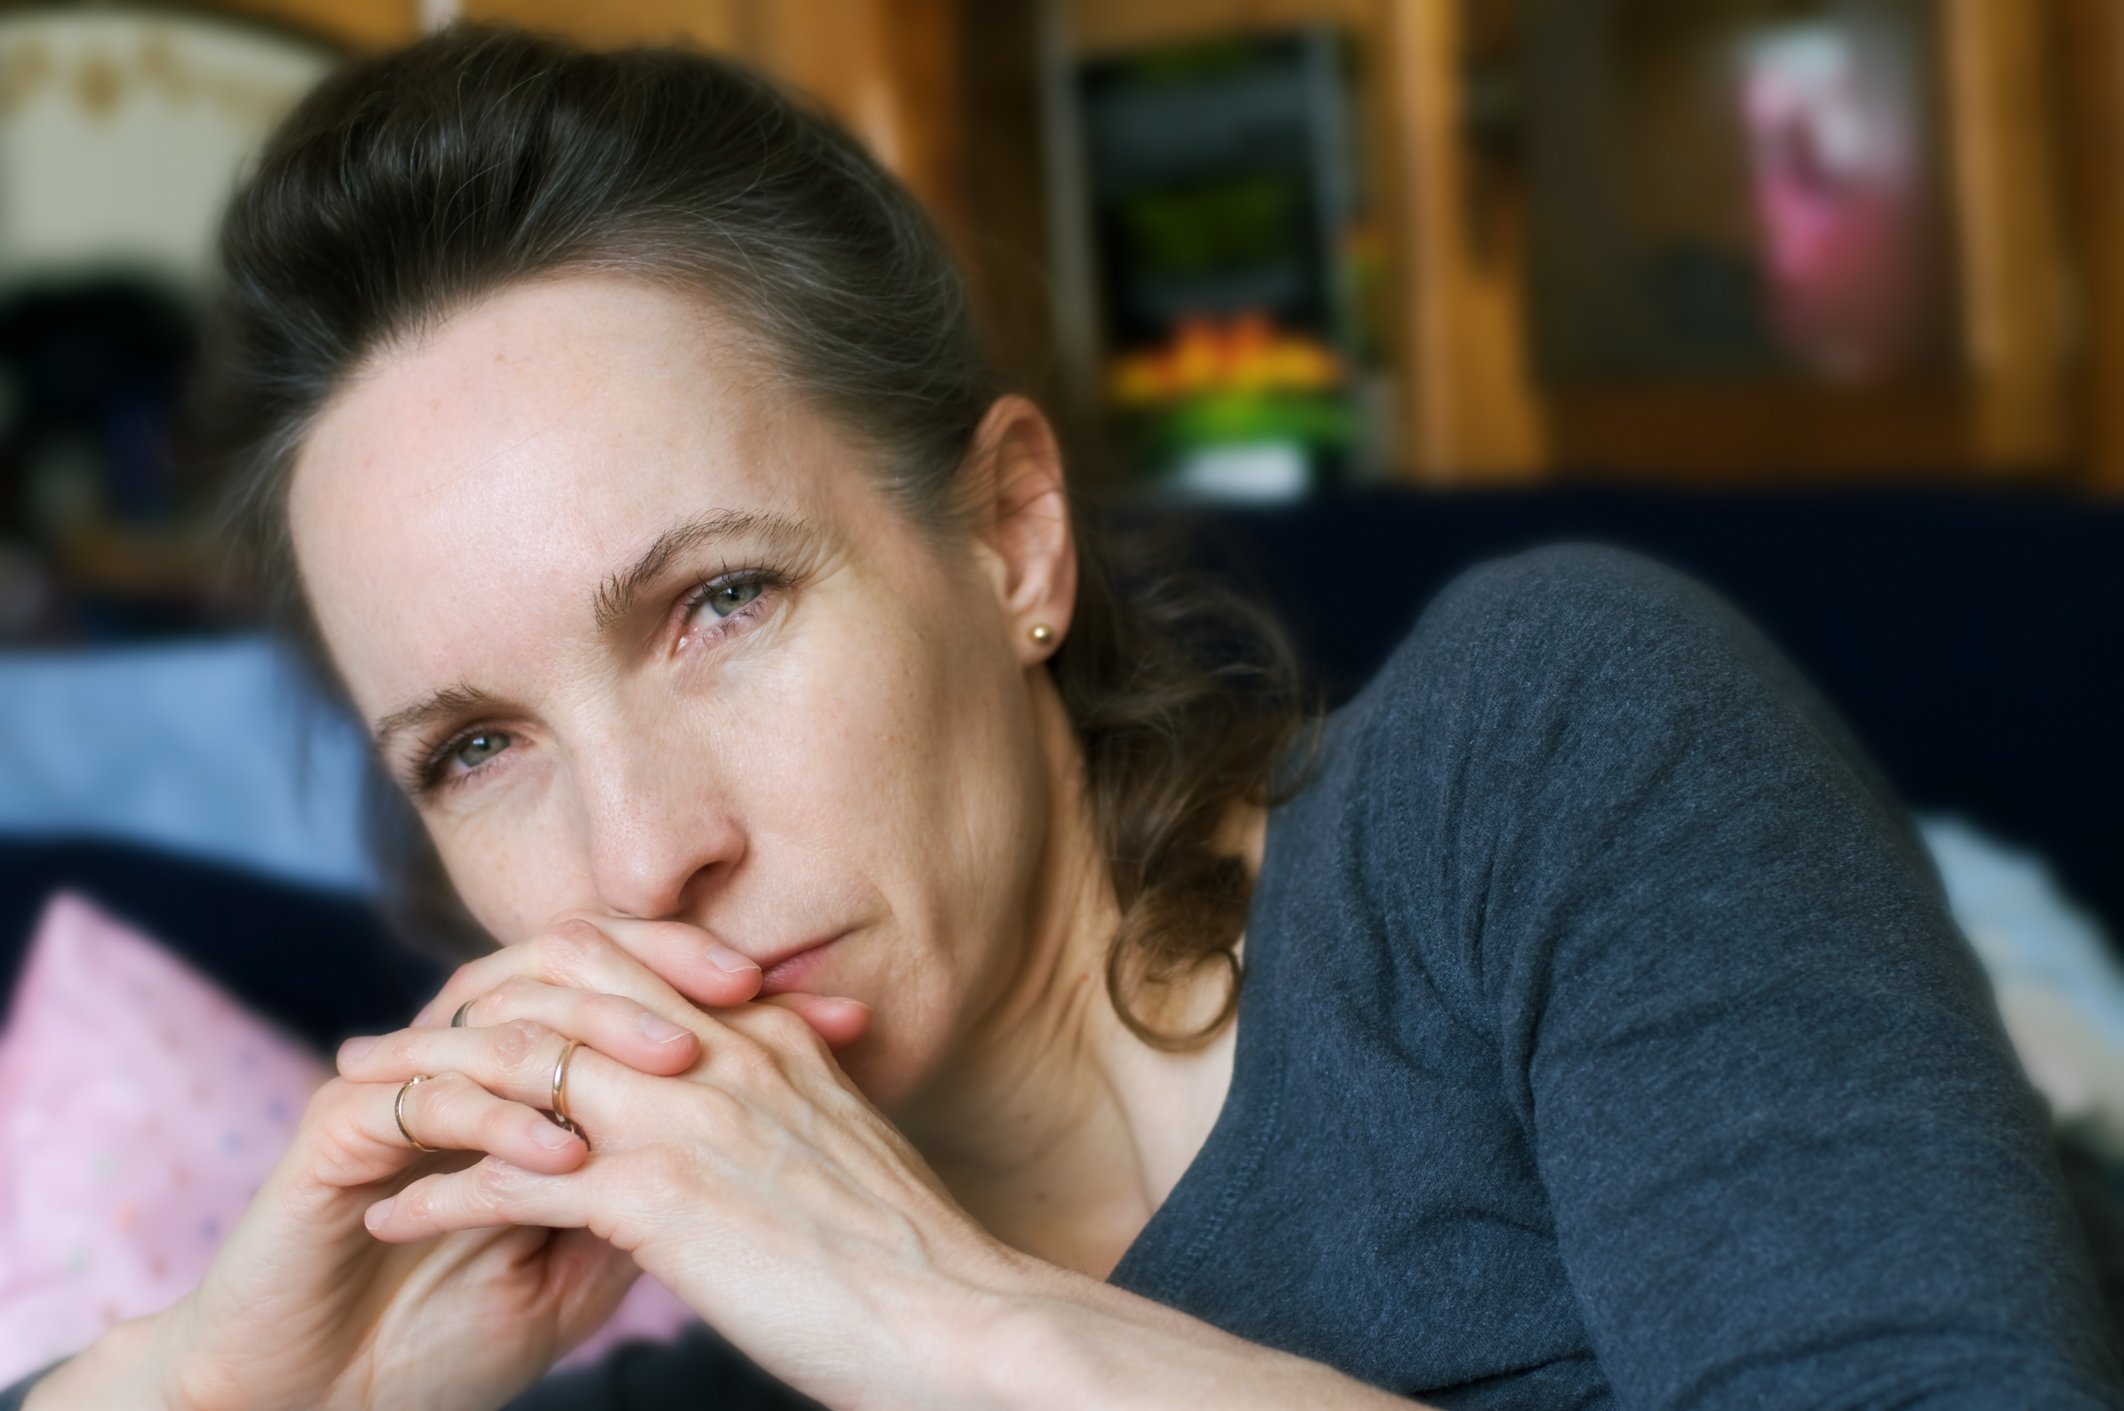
(1074, 1341)
(124, 1367)
(1020, 1343)
(977, 1342)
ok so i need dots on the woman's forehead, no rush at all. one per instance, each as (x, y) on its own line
(523, 449)
(583, 390)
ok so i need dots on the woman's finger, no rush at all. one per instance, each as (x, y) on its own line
(450, 1112)
(615, 1025)
(667, 967)
(516, 1061)
(838, 1020)
(352, 1136)
(790, 1024)
(663, 965)
(492, 1193)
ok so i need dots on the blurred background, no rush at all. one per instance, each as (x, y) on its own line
(1819, 300)
(1822, 300)
(1250, 250)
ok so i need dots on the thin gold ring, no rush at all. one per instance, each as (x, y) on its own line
(457, 1020)
(398, 1112)
(559, 1102)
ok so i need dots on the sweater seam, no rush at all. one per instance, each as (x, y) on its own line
(1236, 1186)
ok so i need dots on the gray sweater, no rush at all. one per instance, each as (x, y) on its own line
(1605, 1043)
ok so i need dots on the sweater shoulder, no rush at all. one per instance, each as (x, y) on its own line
(1529, 616)
(1514, 655)
(1546, 701)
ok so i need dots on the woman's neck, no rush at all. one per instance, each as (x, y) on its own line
(1055, 1126)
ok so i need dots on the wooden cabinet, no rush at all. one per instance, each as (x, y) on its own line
(2029, 123)
(2089, 38)
(889, 69)
(1465, 409)
(1996, 403)
(944, 91)
(353, 24)
(958, 97)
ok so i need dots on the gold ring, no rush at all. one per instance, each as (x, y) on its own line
(457, 1020)
(398, 1112)
(559, 1101)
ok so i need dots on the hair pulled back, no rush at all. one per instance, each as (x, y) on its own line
(411, 184)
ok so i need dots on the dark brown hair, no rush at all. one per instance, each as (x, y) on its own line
(411, 184)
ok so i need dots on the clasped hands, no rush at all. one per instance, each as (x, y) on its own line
(728, 1156)
(600, 983)
(722, 1148)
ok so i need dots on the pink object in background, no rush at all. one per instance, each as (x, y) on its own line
(1835, 147)
(140, 1108)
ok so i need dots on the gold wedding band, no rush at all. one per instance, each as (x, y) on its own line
(457, 1020)
(559, 1102)
(398, 1112)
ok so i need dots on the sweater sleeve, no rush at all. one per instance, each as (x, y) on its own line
(1791, 1157)
(11, 1398)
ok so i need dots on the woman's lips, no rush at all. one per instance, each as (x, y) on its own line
(791, 972)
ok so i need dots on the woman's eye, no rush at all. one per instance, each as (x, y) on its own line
(478, 749)
(729, 597)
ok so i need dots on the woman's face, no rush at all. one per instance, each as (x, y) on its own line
(643, 638)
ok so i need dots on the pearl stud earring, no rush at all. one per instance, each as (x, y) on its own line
(1040, 632)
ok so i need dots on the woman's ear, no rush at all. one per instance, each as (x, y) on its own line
(1019, 512)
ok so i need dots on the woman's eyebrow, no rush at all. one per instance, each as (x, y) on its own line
(448, 701)
(614, 601)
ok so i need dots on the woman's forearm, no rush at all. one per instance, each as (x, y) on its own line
(1080, 1342)
(118, 1369)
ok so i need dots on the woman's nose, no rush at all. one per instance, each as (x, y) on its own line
(659, 833)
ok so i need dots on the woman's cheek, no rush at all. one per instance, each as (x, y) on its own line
(512, 869)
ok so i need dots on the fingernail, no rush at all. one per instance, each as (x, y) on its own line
(660, 1030)
(378, 1213)
(550, 1137)
(730, 961)
(352, 1050)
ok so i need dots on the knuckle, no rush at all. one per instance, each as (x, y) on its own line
(750, 1061)
(571, 915)
(785, 1026)
(715, 1108)
(666, 1173)
(330, 1099)
(417, 1201)
(331, 1114)
(494, 1181)
(572, 944)
(518, 1042)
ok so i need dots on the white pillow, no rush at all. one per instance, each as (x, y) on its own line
(2055, 972)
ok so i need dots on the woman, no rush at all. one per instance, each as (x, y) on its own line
(875, 884)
